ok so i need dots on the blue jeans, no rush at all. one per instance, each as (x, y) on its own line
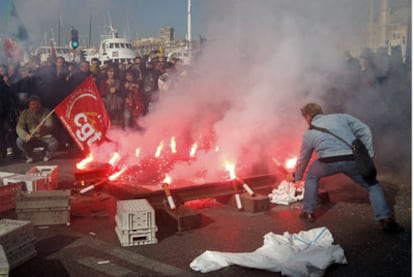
(320, 169)
(49, 143)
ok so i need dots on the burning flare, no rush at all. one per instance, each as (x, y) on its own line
(165, 183)
(167, 179)
(173, 145)
(117, 174)
(291, 163)
(193, 149)
(115, 158)
(82, 164)
(159, 149)
(231, 168)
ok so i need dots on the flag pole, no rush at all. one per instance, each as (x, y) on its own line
(41, 123)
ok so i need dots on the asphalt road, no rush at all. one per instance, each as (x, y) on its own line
(90, 246)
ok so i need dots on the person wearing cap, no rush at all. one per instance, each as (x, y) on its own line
(34, 129)
(334, 156)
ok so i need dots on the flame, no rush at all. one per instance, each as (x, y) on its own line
(159, 148)
(137, 152)
(117, 174)
(82, 164)
(173, 145)
(231, 168)
(115, 158)
(167, 179)
(291, 163)
(216, 148)
(193, 149)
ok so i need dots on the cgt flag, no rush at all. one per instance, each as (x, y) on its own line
(84, 115)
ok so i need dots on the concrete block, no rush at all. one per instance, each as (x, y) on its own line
(185, 217)
(252, 204)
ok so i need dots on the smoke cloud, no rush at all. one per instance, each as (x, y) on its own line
(262, 62)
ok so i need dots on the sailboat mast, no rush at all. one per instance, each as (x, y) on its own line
(90, 29)
(189, 32)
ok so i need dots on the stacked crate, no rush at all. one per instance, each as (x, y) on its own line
(36, 178)
(48, 172)
(8, 192)
(8, 195)
(17, 239)
(29, 183)
(4, 264)
(45, 207)
(135, 222)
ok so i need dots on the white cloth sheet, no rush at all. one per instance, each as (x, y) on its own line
(307, 253)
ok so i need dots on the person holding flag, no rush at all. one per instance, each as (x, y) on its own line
(34, 129)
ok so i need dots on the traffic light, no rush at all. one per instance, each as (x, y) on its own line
(74, 42)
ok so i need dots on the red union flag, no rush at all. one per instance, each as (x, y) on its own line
(84, 115)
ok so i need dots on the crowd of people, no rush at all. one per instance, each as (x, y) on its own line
(127, 91)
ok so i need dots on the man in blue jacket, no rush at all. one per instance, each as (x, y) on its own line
(334, 156)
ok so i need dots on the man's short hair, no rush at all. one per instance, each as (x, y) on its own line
(311, 109)
(33, 98)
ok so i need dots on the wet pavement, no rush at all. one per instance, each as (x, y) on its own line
(90, 246)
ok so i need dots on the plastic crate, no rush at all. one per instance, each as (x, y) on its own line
(20, 255)
(46, 199)
(30, 183)
(8, 195)
(48, 207)
(4, 263)
(5, 175)
(119, 225)
(45, 216)
(15, 233)
(50, 172)
(135, 214)
(136, 237)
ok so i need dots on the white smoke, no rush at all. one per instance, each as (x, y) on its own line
(262, 62)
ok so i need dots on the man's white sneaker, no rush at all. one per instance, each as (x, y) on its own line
(29, 160)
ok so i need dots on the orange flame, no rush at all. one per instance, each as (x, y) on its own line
(173, 145)
(115, 158)
(159, 149)
(231, 168)
(117, 174)
(291, 163)
(137, 152)
(193, 149)
(167, 179)
(82, 164)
